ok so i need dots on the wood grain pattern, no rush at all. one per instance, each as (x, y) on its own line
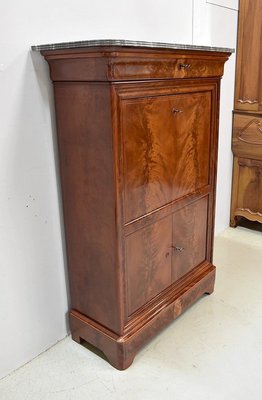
(247, 136)
(234, 193)
(189, 238)
(145, 69)
(250, 185)
(148, 262)
(86, 159)
(246, 198)
(122, 63)
(248, 95)
(161, 165)
(249, 190)
(121, 350)
(138, 179)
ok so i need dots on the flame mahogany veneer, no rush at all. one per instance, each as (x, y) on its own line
(137, 133)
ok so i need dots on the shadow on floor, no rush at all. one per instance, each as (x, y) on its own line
(94, 350)
(252, 225)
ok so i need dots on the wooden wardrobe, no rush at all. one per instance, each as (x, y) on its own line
(247, 116)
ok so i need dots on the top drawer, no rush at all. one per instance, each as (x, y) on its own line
(165, 68)
(247, 136)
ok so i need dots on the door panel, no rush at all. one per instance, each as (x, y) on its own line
(250, 186)
(189, 237)
(148, 262)
(248, 95)
(166, 149)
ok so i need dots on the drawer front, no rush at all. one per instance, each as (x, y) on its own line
(148, 263)
(189, 237)
(166, 149)
(247, 136)
(175, 68)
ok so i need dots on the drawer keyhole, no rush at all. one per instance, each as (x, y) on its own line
(184, 66)
(179, 249)
(176, 111)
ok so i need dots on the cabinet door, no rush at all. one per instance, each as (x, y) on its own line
(249, 201)
(148, 263)
(189, 237)
(249, 52)
(161, 253)
(166, 147)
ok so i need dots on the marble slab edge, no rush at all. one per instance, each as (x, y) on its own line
(127, 43)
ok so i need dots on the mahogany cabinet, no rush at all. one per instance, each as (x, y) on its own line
(247, 122)
(137, 132)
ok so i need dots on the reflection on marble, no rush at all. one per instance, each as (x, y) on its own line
(126, 43)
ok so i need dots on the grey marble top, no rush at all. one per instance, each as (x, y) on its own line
(126, 43)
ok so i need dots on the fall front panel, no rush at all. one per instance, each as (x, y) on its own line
(166, 149)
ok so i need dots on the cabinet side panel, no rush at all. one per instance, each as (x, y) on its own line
(87, 174)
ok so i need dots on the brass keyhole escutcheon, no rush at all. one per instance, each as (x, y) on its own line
(176, 111)
(184, 66)
(178, 248)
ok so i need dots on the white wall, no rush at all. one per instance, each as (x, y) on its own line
(33, 294)
(217, 26)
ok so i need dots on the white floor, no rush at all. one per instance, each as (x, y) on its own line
(213, 351)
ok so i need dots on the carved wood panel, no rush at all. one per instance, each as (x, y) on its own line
(251, 133)
(247, 136)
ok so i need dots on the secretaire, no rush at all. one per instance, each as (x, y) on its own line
(137, 127)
